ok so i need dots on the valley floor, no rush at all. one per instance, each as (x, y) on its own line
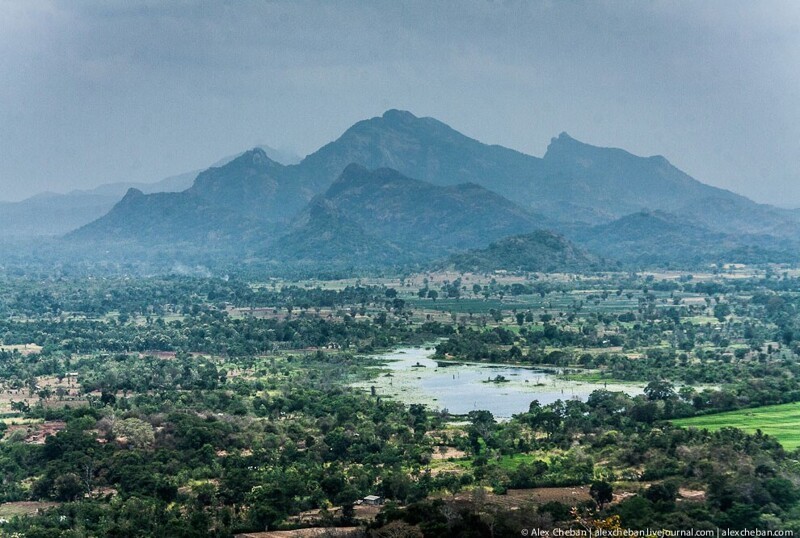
(184, 406)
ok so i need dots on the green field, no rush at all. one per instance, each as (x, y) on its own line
(779, 421)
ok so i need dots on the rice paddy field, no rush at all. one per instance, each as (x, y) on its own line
(779, 421)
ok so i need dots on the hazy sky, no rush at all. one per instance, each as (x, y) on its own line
(94, 92)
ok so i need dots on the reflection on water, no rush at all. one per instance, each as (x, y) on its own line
(415, 378)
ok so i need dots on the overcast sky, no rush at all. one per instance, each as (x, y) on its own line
(95, 92)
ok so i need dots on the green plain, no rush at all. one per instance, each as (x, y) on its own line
(780, 421)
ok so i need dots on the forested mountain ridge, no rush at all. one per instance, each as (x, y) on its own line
(231, 202)
(413, 220)
(539, 251)
(658, 237)
(615, 181)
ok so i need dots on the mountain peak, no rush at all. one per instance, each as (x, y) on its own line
(352, 170)
(540, 250)
(564, 144)
(133, 193)
(254, 161)
(563, 141)
(398, 116)
(355, 176)
(256, 155)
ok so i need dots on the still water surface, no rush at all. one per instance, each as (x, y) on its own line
(415, 378)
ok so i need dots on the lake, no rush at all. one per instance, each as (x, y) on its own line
(461, 388)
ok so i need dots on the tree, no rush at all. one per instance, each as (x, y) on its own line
(107, 398)
(659, 390)
(20, 406)
(665, 492)
(483, 425)
(602, 492)
(68, 487)
(138, 433)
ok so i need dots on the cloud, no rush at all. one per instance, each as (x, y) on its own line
(116, 91)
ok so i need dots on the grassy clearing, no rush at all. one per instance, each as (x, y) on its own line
(23, 508)
(509, 463)
(460, 306)
(25, 349)
(702, 320)
(779, 421)
(587, 376)
(19, 420)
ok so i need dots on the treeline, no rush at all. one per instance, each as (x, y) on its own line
(211, 332)
(159, 295)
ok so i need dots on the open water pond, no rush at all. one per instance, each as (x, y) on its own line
(413, 377)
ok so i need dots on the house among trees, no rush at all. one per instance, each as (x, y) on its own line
(372, 500)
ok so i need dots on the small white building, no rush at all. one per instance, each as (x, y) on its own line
(372, 500)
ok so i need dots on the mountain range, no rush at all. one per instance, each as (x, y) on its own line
(401, 189)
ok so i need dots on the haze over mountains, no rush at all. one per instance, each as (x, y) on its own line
(401, 189)
(49, 213)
